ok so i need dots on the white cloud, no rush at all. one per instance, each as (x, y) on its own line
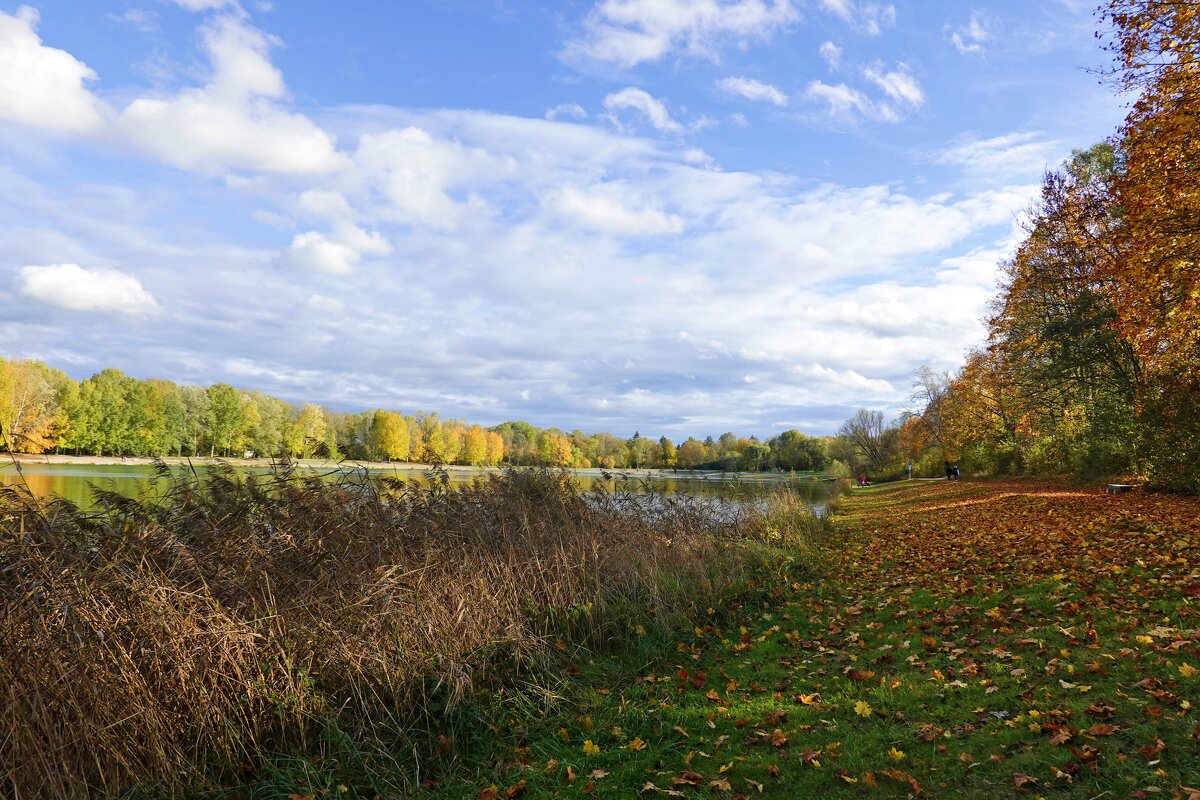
(902, 95)
(868, 18)
(236, 121)
(603, 208)
(841, 101)
(43, 87)
(898, 84)
(74, 288)
(1020, 154)
(831, 54)
(326, 305)
(643, 102)
(207, 5)
(753, 90)
(411, 175)
(336, 253)
(969, 38)
(630, 32)
(572, 110)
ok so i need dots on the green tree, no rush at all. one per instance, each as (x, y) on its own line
(225, 418)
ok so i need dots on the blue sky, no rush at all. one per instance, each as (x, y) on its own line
(673, 216)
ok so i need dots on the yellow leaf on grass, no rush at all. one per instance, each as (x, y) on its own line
(590, 748)
(896, 755)
(636, 744)
(862, 708)
(1188, 671)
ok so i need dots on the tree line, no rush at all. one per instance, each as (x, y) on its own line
(1092, 362)
(111, 413)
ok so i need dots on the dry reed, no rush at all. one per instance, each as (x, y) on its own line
(173, 641)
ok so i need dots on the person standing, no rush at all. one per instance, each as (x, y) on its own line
(949, 471)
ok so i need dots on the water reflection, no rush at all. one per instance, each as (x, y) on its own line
(76, 482)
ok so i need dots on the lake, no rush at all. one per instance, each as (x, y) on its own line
(75, 482)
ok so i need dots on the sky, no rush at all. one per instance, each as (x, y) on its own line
(680, 217)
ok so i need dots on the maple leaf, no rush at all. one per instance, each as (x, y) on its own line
(903, 777)
(862, 708)
(516, 790)
(1062, 737)
(720, 784)
(1188, 671)
(590, 748)
(688, 778)
(636, 743)
(1023, 782)
(490, 793)
(896, 755)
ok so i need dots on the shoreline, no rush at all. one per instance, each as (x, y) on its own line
(372, 466)
(183, 461)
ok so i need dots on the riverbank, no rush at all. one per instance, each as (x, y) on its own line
(377, 466)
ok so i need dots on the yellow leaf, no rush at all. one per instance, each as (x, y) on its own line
(590, 748)
(862, 708)
(1188, 671)
(896, 755)
(636, 744)
(551, 765)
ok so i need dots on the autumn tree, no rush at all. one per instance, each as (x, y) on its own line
(1156, 281)
(30, 412)
(389, 436)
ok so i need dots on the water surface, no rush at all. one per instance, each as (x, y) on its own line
(78, 482)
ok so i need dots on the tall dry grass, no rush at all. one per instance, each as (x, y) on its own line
(173, 641)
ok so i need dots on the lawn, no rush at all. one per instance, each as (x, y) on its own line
(953, 640)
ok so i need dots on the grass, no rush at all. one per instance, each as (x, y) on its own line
(962, 641)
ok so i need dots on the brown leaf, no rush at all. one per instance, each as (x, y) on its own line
(688, 778)
(1023, 782)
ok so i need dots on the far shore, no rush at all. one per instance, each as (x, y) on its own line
(374, 466)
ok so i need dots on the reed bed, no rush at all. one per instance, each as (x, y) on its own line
(170, 644)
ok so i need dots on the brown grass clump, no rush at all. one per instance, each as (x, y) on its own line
(166, 641)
